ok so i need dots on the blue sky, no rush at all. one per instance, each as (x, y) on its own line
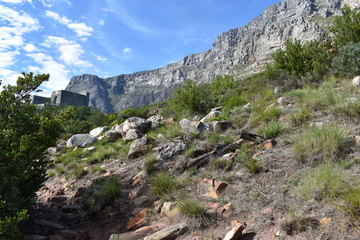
(110, 37)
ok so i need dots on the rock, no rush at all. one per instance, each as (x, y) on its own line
(215, 112)
(139, 202)
(137, 123)
(169, 121)
(193, 126)
(220, 126)
(98, 131)
(90, 149)
(136, 211)
(81, 140)
(357, 140)
(269, 143)
(68, 234)
(325, 221)
(227, 206)
(113, 135)
(56, 237)
(211, 187)
(155, 121)
(35, 237)
(116, 237)
(61, 144)
(170, 233)
(50, 227)
(119, 128)
(52, 150)
(137, 221)
(236, 232)
(133, 134)
(247, 106)
(169, 209)
(58, 199)
(356, 81)
(169, 150)
(284, 101)
(138, 147)
(277, 91)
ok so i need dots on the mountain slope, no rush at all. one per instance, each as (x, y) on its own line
(239, 51)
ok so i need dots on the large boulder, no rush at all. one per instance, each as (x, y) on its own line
(136, 123)
(169, 233)
(133, 134)
(113, 135)
(138, 147)
(97, 131)
(169, 150)
(81, 140)
(220, 126)
(155, 121)
(193, 126)
(215, 112)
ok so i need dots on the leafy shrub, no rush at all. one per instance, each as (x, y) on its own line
(163, 184)
(9, 225)
(327, 142)
(300, 116)
(326, 181)
(191, 208)
(271, 130)
(347, 62)
(141, 112)
(345, 27)
(103, 192)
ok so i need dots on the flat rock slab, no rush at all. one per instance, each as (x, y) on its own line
(81, 140)
(170, 233)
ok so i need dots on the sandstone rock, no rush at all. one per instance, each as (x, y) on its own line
(215, 112)
(325, 221)
(98, 131)
(81, 140)
(169, 121)
(68, 234)
(170, 233)
(236, 232)
(155, 121)
(136, 221)
(168, 150)
(269, 143)
(193, 126)
(212, 187)
(138, 147)
(137, 123)
(139, 202)
(136, 211)
(169, 209)
(133, 134)
(356, 81)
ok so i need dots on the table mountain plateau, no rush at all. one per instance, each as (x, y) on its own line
(240, 51)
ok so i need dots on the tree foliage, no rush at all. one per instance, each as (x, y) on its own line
(346, 27)
(347, 62)
(25, 135)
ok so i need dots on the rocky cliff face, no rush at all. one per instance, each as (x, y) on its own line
(239, 51)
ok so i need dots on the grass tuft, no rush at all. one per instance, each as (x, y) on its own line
(271, 130)
(163, 184)
(191, 208)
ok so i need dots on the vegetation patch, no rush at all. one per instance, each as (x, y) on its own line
(163, 184)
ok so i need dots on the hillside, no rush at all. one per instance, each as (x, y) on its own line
(241, 51)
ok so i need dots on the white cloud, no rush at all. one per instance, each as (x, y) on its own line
(101, 22)
(30, 47)
(81, 29)
(15, 1)
(70, 51)
(50, 3)
(100, 58)
(58, 73)
(127, 50)
(15, 25)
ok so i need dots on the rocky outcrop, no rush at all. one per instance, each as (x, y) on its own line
(241, 50)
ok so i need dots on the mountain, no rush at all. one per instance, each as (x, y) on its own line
(240, 51)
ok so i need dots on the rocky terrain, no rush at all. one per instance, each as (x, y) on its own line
(210, 179)
(241, 51)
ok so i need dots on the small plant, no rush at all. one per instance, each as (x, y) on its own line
(271, 130)
(300, 117)
(191, 208)
(221, 164)
(98, 168)
(103, 192)
(298, 224)
(192, 170)
(253, 166)
(326, 182)
(320, 143)
(78, 171)
(162, 184)
(265, 115)
(150, 164)
(348, 110)
(351, 202)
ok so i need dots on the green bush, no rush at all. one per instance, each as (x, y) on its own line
(350, 202)
(9, 225)
(163, 184)
(325, 182)
(315, 144)
(103, 192)
(25, 135)
(191, 208)
(271, 130)
(347, 62)
(253, 166)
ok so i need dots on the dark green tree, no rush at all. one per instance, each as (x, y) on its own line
(25, 135)
(346, 27)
